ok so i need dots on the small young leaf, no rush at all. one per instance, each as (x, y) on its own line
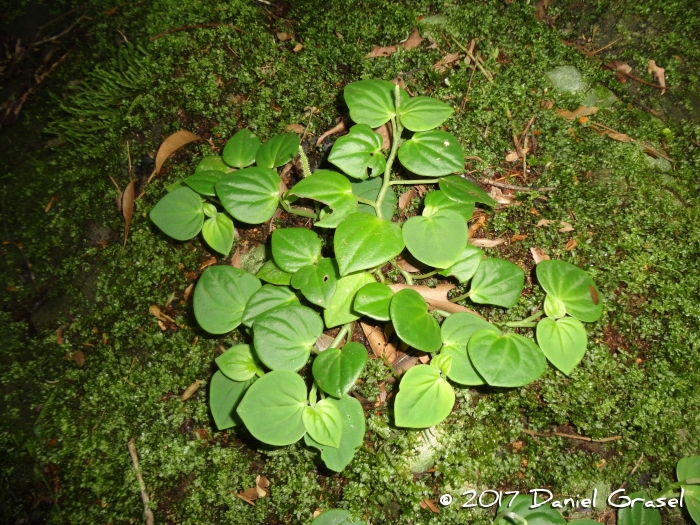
(553, 307)
(340, 310)
(438, 240)
(324, 423)
(179, 214)
(240, 149)
(437, 200)
(462, 190)
(497, 282)
(265, 299)
(573, 287)
(508, 360)
(412, 322)
(357, 151)
(362, 242)
(220, 297)
(294, 248)
(238, 363)
(277, 151)
(212, 163)
(425, 398)
(250, 195)
(369, 189)
(209, 209)
(332, 189)
(465, 268)
(224, 395)
(317, 282)
(271, 273)
(371, 102)
(563, 342)
(283, 337)
(337, 369)
(203, 182)
(373, 300)
(424, 113)
(218, 232)
(638, 514)
(272, 408)
(432, 154)
(456, 331)
(442, 362)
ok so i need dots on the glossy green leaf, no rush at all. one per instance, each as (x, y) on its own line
(508, 360)
(541, 515)
(218, 232)
(283, 337)
(553, 307)
(438, 240)
(362, 242)
(340, 309)
(317, 282)
(563, 342)
(271, 273)
(369, 189)
(573, 287)
(224, 395)
(412, 322)
(638, 514)
(203, 181)
(238, 363)
(584, 521)
(265, 299)
(424, 113)
(373, 300)
(437, 200)
(691, 501)
(294, 248)
(425, 398)
(337, 369)
(465, 268)
(352, 435)
(273, 407)
(358, 151)
(250, 195)
(277, 151)
(324, 423)
(332, 189)
(212, 163)
(442, 362)
(688, 468)
(336, 517)
(371, 102)
(220, 297)
(209, 209)
(432, 154)
(240, 150)
(179, 214)
(462, 190)
(176, 185)
(497, 282)
(455, 332)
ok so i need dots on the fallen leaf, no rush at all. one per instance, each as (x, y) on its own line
(323, 342)
(207, 263)
(298, 48)
(435, 297)
(414, 40)
(512, 156)
(378, 342)
(171, 144)
(566, 227)
(319, 511)
(502, 198)
(534, 212)
(283, 37)
(442, 64)
(421, 189)
(128, 207)
(339, 127)
(474, 227)
(191, 390)
(516, 238)
(261, 484)
(236, 259)
(249, 496)
(620, 137)
(409, 264)
(404, 362)
(188, 292)
(161, 325)
(296, 128)
(385, 132)
(486, 243)
(541, 9)
(430, 504)
(79, 358)
(406, 198)
(59, 335)
(571, 245)
(622, 67)
(543, 222)
(582, 111)
(48, 206)
(538, 254)
(659, 75)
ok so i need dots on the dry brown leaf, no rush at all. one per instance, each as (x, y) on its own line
(236, 259)
(413, 41)
(319, 511)
(406, 198)
(409, 264)
(622, 67)
(404, 362)
(582, 111)
(659, 75)
(340, 126)
(261, 484)
(155, 311)
(486, 243)
(543, 222)
(188, 292)
(442, 64)
(620, 137)
(538, 254)
(378, 342)
(474, 227)
(283, 37)
(191, 390)
(541, 9)
(248, 495)
(128, 207)
(516, 238)
(48, 206)
(298, 48)
(79, 358)
(571, 245)
(430, 504)
(435, 297)
(385, 132)
(323, 342)
(425, 359)
(207, 263)
(512, 156)
(502, 198)
(59, 335)
(296, 128)
(566, 227)
(173, 143)
(421, 189)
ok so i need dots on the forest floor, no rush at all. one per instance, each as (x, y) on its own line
(84, 366)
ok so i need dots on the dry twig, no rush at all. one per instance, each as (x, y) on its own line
(142, 486)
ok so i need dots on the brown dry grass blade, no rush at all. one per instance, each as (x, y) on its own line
(128, 208)
(435, 297)
(486, 243)
(172, 144)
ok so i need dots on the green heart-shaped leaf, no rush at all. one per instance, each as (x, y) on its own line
(294, 248)
(563, 342)
(357, 151)
(218, 232)
(203, 181)
(465, 268)
(337, 369)
(332, 189)
(273, 407)
(692, 501)
(412, 322)
(369, 189)
(462, 190)
(224, 395)
(688, 468)
(220, 297)
(317, 282)
(238, 363)
(432, 154)
(424, 113)
(335, 517)
(351, 437)
(179, 214)
(638, 514)
(542, 515)
(283, 337)
(573, 287)
(553, 307)
(456, 331)
(437, 200)
(362, 242)
(212, 163)
(497, 282)
(277, 151)
(250, 195)
(371, 102)
(240, 149)
(438, 240)
(324, 423)
(265, 299)
(425, 398)
(508, 360)
(271, 273)
(373, 300)
(340, 310)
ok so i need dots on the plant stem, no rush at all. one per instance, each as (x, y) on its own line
(304, 162)
(379, 274)
(407, 276)
(366, 201)
(397, 129)
(425, 275)
(442, 312)
(341, 335)
(303, 213)
(460, 297)
(510, 515)
(414, 181)
(527, 322)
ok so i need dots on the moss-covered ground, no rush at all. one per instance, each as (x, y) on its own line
(65, 427)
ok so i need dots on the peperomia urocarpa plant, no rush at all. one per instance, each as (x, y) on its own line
(309, 290)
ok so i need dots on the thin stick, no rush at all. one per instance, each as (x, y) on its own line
(24, 98)
(197, 26)
(51, 39)
(466, 95)
(605, 47)
(488, 75)
(637, 79)
(527, 128)
(142, 486)
(570, 436)
(492, 182)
